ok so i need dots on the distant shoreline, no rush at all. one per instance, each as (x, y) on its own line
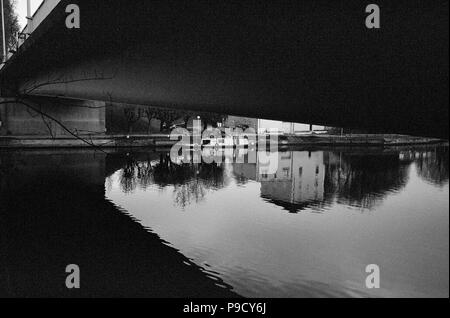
(163, 140)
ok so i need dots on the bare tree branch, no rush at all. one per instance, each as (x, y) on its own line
(28, 91)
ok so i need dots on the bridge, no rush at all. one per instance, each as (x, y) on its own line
(305, 61)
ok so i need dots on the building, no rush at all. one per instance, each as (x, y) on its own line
(266, 126)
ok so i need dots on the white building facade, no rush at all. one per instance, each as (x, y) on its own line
(266, 126)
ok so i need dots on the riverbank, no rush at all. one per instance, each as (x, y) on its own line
(357, 140)
(161, 140)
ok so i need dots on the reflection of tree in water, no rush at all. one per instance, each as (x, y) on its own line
(204, 177)
(135, 173)
(432, 166)
(364, 180)
(190, 181)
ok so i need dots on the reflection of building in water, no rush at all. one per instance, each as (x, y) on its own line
(299, 178)
(411, 155)
(431, 163)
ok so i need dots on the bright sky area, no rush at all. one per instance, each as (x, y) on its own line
(21, 8)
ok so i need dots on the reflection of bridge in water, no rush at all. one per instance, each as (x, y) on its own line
(53, 213)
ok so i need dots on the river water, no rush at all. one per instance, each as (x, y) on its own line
(308, 229)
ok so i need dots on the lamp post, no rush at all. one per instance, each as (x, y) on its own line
(29, 18)
(3, 33)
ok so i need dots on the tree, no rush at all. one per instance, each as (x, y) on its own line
(150, 113)
(212, 119)
(11, 25)
(167, 117)
(186, 116)
(132, 116)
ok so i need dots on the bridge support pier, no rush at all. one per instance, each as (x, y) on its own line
(80, 117)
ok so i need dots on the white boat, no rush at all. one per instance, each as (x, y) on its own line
(225, 142)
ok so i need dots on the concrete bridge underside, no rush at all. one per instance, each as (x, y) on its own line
(305, 61)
